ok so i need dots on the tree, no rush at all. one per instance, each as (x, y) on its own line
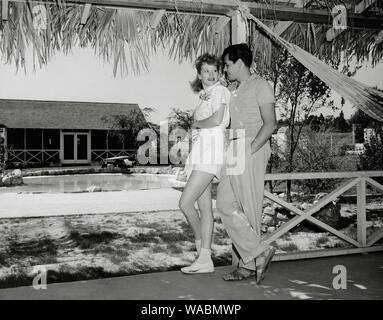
(147, 112)
(180, 119)
(127, 126)
(372, 158)
(2, 155)
(298, 94)
(341, 124)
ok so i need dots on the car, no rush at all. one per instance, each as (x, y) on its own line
(121, 162)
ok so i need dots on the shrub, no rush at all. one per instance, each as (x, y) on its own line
(314, 155)
(372, 158)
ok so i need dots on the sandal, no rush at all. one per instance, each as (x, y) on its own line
(261, 270)
(238, 275)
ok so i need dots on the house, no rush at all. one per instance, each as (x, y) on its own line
(62, 132)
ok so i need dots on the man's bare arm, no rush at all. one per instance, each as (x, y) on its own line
(269, 125)
(214, 120)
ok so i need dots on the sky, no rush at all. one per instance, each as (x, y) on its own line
(82, 76)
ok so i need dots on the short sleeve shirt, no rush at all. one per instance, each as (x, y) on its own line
(218, 95)
(245, 102)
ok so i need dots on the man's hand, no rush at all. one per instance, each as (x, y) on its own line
(253, 147)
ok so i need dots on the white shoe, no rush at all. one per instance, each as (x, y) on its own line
(207, 267)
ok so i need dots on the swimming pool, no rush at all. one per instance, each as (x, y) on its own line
(81, 182)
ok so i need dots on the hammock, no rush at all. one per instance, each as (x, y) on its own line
(367, 99)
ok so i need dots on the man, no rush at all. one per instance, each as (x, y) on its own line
(240, 194)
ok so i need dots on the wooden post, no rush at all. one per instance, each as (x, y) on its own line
(4, 10)
(42, 145)
(85, 13)
(238, 29)
(25, 145)
(5, 144)
(361, 212)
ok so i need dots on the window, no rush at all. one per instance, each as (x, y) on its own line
(15, 138)
(34, 139)
(114, 141)
(51, 139)
(98, 139)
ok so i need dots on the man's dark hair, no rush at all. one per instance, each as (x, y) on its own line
(239, 51)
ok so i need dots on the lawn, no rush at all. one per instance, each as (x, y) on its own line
(83, 247)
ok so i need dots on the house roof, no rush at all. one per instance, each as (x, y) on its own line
(59, 114)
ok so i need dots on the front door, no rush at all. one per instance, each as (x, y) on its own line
(75, 147)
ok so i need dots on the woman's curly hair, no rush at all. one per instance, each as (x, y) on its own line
(196, 84)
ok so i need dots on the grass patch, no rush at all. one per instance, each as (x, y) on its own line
(89, 240)
(16, 280)
(151, 225)
(322, 241)
(288, 247)
(3, 259)
(33, 247)
(175, 237)
(174, 248)
(151, 237)
(157, 248)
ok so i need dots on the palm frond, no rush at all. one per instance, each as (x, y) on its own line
(121, 36)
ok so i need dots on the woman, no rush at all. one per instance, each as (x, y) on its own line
(205, 160)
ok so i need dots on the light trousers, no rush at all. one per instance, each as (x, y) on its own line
(240, 200)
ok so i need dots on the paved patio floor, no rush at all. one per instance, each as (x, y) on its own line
(46, 204)
(293, 280)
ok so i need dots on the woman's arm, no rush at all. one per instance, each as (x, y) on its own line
(269, 125)
(214, 120)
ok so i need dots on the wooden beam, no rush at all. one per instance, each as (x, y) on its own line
(361, 212)
(375, 184)
(302, 3)
(363, 5)
(313, 220)
(85, 13)
(321, 203)
(295, 3)
(324, 175)
(282, 26)
(323, 253)
(239, 29)
(156, 18)
(4, 10)
(218, 7)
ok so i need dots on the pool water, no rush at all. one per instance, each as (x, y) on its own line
(81, 182)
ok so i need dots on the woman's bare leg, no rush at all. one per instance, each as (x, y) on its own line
(195, 186)
(206, 217)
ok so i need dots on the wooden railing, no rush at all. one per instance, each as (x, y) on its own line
(33, 155)
(361, 244)
(98, 155)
